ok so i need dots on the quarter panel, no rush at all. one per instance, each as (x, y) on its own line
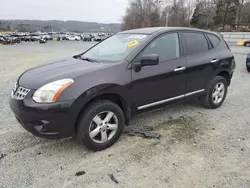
(226, 58)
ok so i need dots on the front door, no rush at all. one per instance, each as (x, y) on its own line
(164, 82)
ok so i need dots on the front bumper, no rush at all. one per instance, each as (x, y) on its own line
(52, 121)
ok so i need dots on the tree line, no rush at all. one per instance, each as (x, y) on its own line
(219, 15)
(57, 25)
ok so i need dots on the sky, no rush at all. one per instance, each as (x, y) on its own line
(102, 11)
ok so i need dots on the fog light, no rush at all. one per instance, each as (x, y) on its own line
(41, 126)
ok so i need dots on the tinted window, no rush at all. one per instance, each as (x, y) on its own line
(214, 40)
(166, 46)
(195, 43)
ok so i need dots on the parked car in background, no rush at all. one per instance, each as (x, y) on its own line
(64, 37)
(104, 37)
(86, 37)
(248, 62)
(97, 38)
(10, 39)
(47, 37)
(43, 40)
(93, 95)
(73, 37)
(22, 36)
(1, 39)
(247, 43)
(34, 37)
(100, 37)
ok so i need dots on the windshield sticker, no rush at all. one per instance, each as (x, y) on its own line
(137, 36)
(133, 43)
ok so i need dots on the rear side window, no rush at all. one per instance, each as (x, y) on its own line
(195, 43)
(214, 40)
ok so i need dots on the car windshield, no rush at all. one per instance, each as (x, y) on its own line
(115, 48)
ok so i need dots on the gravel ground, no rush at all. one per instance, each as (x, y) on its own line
(198, 148)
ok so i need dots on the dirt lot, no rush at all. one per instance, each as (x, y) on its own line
(198, 148)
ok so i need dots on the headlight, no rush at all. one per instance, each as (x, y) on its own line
(50, 92)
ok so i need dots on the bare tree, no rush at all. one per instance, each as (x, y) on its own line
(245, 14)
(240, 14)
(203, 14)
(209, 14)
(180, 13)
(142, 13)
(242, 2)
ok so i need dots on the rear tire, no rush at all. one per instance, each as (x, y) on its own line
(100, 125)
(248, 69)
(216, 93)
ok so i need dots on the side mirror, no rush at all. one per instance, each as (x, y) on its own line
(149, 60)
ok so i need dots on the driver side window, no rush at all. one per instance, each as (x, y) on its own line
(166, 46)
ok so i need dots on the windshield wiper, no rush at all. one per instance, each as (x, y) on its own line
(88, 59)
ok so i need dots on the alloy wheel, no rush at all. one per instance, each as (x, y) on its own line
(103, 127)
(218, 93)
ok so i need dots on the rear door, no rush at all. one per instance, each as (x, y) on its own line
(200, 58)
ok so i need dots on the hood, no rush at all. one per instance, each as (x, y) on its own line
(56, 70)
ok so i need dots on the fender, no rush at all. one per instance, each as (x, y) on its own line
(124, 92)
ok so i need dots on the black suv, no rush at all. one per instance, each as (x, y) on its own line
(94, 94)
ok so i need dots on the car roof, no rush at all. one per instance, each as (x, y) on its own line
(154, 30)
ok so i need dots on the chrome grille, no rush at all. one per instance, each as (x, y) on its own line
(15, 87)
(19, 92)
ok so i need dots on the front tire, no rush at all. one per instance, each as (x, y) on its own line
(100, 125)
(247, 44)
(248, 69)
(216, 93)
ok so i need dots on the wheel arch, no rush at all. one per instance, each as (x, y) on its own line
(225, 75)
(117, 99)
(113, 97)
(246, 42)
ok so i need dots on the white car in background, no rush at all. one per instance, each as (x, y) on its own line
(34, 37)
(47, 37)
(73, 37)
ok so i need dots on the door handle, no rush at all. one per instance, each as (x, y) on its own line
(215, 61)
(179, 69)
